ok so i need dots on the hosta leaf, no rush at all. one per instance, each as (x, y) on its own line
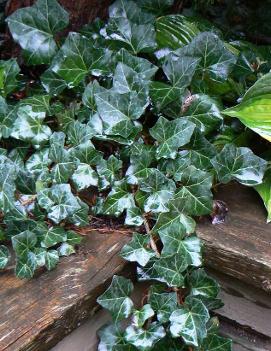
(119, 199)
(53, 236)
(137, 250)
(24, 242)
(141, 316)
(117, 111)
(137, 38)
(51, 259)
(109, 171)
(59, 202)
(145, 69)
(216, 61)
(34, 29)
(77, 58)
(7, 118)
(203, 285)
(116, 298)
(189, 322)
(162, 302)
(239, 163)
(194, 194)
(134, 217)
(66, 249)
(84, 176)
(204, 111)
(170, 270)
(4, 256)
(174, 31)
(29, 126)
(171, 135)
(144, 339)
(215, 342)
(9, 71)
(128, 9)
(26, 265)
(264, 190)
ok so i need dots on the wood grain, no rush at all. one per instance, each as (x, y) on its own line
(36, 314)
(241, 247)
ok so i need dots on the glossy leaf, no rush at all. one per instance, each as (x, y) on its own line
(4, 256)
(84, 176)
(141, 316)
(24, 242)
(26, 266)
(9, 71)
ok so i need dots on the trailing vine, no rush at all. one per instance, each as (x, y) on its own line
(125, 119)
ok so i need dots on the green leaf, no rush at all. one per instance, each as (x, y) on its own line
(59, 202)
(171, 135)
(111, 339)
(109, 171)
(134, 217)
(52, 83)
(158, 7)
(39, 103)
(29, 126)
(26, 266)
(137, 38)
(137, 250)
(162, 302)
(24, 242)
(239, 163)
(53, 236)
(204, 111)
(78, 133)
(51, 259)
(118, 111)
(33, 28)
(116, 298)
(189, 322)
(9, 71)
(4, 256)
(129, 10)
(174, 31)
(80, 217)
(118, 200)
(86, 153)
(203, 285)
(78, 57)
(7, 118)
(194, 194)
(66, 249)
(73, 238)
(141, 316)
(84, 176)
(214, 342)
(144, 339)
(38, 162)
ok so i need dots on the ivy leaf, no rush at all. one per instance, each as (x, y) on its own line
(86, 153)
(141, 316)
(189, 322)
(38, 162)
(80, 217)
(144, 69)
(9, 71)
(216, 61)
(7, 118)
(137, 38)
(173, 218)
(108, 171)
(158, 7)
(203, 285)
(239, 163)
(118, 200)
(51, 259)
(144, 339)
(204, 111)
(84, 176)
(194, 194)
(162, 302)
(53, 236)
(116, 298)
(39, 103)
(129, 10)
(134, 217)
(78, 57)
(29, 126)
(117, 111)
(171, 135)
(161, 190)
(66, 249)
(111, 339)
(88, 97)
(214, 342)
(187, 249)
(78, 133)
(52, 83)
(73, 238)
(33, 28)
(137, 250)
(170, 270)
(26, 265)
(59, 202)
(24, 242)
(4, 256)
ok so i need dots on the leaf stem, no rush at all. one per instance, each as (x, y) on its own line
(152, 242)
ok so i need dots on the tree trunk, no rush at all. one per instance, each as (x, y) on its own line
(81, 11)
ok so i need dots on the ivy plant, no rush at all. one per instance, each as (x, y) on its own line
(125, 118)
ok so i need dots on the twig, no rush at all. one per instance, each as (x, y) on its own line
(152, 242)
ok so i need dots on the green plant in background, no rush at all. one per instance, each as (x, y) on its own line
(128, 114)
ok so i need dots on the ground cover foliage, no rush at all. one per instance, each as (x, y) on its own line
(134, 118)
